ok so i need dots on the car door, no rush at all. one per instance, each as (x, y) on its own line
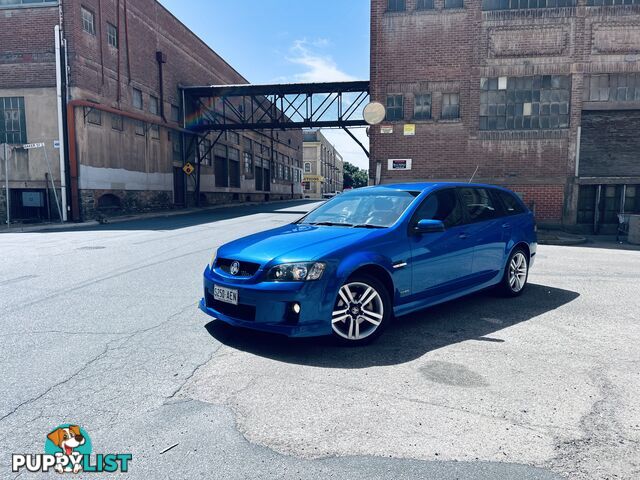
(441, 262)
(484, 220)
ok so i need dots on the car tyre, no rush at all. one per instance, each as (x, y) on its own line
(516, 274)
(354, 323)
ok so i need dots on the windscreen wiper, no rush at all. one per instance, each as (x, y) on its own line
(331, 224)
(367, 225)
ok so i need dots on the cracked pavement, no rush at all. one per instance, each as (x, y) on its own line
(100, 327)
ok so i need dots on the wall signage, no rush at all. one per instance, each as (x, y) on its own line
(400, 164)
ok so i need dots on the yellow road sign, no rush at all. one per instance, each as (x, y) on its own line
(188, 169)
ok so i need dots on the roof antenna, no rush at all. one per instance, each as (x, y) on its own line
(474, 174)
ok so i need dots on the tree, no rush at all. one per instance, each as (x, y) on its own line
(354, 177)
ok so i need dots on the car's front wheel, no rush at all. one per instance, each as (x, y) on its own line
(361, 310)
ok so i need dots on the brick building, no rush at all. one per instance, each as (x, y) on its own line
(542, 96)
(124, 140)
(323, 166)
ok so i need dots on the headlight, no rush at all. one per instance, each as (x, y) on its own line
(296, 272)
(213, 259)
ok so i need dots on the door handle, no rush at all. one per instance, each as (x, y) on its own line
(506, 225)
(463, 236)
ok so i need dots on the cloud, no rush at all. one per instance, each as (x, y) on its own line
(318, 67)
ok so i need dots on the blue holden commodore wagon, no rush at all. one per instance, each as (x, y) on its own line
(352, 264)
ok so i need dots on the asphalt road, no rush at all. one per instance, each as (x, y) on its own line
(100, 327)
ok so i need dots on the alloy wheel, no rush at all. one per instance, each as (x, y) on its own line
(518, 272)
(358, 311)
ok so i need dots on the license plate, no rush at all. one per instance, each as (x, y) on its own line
(226, 295)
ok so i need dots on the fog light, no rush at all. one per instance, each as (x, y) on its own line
(296, 308)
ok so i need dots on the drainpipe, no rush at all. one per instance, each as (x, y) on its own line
(61, 137)
(73, 162)
(161, 58)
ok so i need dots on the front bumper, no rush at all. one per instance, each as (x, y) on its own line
(266, 306)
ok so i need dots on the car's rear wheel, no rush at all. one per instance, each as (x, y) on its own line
(361, 310)
(516, 273)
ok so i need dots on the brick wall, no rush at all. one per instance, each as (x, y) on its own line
(544, 200)
(27, 52)
(449, 50)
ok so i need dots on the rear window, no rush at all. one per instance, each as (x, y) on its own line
(478, 204)
(512, 205)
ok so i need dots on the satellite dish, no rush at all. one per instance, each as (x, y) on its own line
(374, 113)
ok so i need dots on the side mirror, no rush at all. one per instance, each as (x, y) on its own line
(429, 226)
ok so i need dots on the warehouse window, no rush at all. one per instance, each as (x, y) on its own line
(175, 113)
(395, 108)
(88, 21)
(13, 128)
(450, 106)
(12, 3)
(595, 3)
(422, 108)
(424, 5)
(233, 138)
(453, 3)
(525, 103)
(204, 150)
(155, 132)
(396, 6)
(112, 35)
(614, 87)
(154, 105)
(599, 88)
(523, 4)
(248, 164)
(93, 116)
(137, 99)
(116, 122)
(140, 128)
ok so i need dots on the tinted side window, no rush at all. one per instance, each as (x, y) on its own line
(442, 205)
(512, 205)
(478, 204)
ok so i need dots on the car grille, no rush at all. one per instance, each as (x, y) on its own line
(247, 269)
(240, 312)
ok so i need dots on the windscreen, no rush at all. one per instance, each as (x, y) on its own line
(362, 208)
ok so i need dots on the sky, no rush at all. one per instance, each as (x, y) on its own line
(273, 41)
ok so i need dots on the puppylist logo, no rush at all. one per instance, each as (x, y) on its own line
(68, 449)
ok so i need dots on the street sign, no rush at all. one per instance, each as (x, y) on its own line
(31, 146)
(386, 129)
(409, 130)
(188, 169)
